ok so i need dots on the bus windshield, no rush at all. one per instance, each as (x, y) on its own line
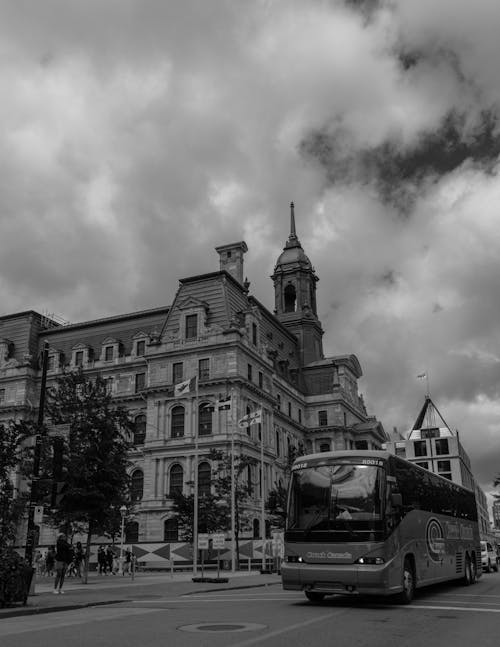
(343, 501)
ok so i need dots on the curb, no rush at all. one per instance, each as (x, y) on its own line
(31, 611)
(231, 588)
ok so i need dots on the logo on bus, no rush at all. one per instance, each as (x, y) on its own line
(434, 538)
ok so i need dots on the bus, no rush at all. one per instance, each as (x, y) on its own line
(371, 523)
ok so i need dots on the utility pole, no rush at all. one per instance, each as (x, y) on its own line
(34, 491)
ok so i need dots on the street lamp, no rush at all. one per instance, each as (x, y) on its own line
(123, 512)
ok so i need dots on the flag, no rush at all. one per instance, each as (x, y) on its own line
(250, 419)
(224, 404)
(422, 376)
(185, 387)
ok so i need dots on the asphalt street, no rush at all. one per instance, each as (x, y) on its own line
(256, 611)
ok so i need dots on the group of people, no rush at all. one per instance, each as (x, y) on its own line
(45, 563)
(64, 560)
(109, 563)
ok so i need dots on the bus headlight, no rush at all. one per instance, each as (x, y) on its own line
(370, 560)
(294, 559)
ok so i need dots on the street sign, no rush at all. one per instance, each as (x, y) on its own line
(203, 540)
(218, 540)
(38, 515)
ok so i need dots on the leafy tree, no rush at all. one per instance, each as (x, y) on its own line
(14, 457)
(214, 509)
(96, 450)
(277, 499)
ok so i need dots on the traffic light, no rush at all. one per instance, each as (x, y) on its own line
(59, 484)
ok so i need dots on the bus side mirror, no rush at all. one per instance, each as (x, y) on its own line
(397, 500)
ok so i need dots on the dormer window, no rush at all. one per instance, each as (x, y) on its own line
(110, 350)
(191, 328)
(139, 344)
(55, 360)
(81, 355)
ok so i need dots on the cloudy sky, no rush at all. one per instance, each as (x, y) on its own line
(137, 135)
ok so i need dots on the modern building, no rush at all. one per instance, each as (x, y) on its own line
(216, 330)
(434, 446)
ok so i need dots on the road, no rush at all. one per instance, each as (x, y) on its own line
(441, 616)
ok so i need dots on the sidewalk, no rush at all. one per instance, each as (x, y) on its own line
(117, 588)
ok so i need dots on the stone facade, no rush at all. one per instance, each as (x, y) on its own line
(217, 331)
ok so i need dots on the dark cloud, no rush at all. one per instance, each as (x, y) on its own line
(398, 172)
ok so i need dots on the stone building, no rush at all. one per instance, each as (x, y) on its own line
(215, 330)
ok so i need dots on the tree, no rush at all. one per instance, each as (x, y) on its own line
(214, 509)
(95, 453)
(14, 457)
(277, 499)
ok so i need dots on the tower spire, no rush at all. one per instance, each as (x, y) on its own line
(292, 241)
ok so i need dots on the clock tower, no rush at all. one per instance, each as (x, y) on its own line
(294, 282)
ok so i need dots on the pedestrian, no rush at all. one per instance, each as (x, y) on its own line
(79, 555)
(127, 560)
(101, 560)
(109, 559)
(38, 562)
(50, 561)
(63, 557)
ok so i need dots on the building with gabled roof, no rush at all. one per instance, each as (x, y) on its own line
(216, 331)
(433, 445)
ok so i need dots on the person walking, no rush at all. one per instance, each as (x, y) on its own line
(50, 559)
(63, 557)
(101, 560)
(78, 558)
(110, 555)
(126, 561)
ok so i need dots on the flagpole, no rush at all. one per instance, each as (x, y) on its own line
(195, 511)
(233, 492)
(262, 502)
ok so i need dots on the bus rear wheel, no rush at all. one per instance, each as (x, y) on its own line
(312, 596)
(469, 575)
(408, 592)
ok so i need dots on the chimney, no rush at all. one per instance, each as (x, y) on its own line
(231, 258)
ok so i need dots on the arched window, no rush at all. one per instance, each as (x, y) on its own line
(170, 530)
(176, 479)
(204, 478)
(204, 420)
(324, 447)
(132, 532)
(177, 422)
(290, 298)
(140, 430)
(256, 529)
(137, 485)
(249, 479)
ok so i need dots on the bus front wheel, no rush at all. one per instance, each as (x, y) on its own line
(406, 595)
(312, 596)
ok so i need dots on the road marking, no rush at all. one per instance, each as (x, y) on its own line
(26, 624)
(443, 608)
(278, 632)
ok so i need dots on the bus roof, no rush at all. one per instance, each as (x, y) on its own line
(345, 453)
(372, 453)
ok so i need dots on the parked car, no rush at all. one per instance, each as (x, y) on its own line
(489, 560)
